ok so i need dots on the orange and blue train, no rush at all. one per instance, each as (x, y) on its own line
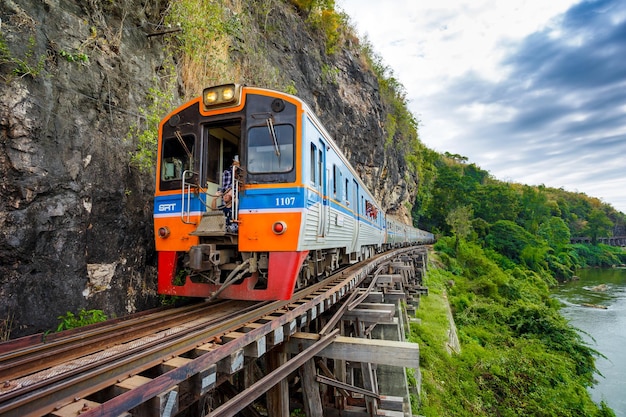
(254, 199)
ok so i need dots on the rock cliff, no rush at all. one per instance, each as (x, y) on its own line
(75, 214)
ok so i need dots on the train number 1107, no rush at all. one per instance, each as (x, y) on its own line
(285, 201)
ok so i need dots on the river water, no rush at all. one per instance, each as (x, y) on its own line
(605, 328)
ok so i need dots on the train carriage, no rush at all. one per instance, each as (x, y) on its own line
(253, 198)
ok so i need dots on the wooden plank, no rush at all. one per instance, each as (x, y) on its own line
(395, 295)
(76, 408)
(386, 352)
(131, 383)
(391, 403)
(389, 413)
(374, 297)
(378, 306)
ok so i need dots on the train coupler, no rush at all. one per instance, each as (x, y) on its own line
(206, 256)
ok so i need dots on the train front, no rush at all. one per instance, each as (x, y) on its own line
(229, 201)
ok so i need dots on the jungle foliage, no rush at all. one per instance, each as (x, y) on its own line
(500, 248)
(518, 357)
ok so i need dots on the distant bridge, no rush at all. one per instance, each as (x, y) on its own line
(613, 241)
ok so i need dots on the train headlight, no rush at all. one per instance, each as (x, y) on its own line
(163, 232)
(228, 93)
(221, 96)
(279, 228)
(210, 97)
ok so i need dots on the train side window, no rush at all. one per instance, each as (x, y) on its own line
(347, 194)
(320, 167)
(337, 182)
(313, 154)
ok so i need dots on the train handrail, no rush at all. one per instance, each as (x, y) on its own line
(185, 210)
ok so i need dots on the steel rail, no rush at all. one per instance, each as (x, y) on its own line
(45, 395)
(34, 358)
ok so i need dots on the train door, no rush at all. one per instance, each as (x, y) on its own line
(323, 189)
(221, 148)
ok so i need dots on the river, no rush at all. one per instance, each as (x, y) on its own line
(605, 328)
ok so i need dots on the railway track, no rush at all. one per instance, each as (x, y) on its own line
(167, 362)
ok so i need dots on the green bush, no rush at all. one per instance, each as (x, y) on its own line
(83, 318)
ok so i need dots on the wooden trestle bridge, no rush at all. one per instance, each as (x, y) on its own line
(337, 345)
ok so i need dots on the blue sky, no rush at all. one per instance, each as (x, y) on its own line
(533, 91)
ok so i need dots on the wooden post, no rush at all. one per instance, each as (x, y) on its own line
(340, 374)
(278, 395)
(310, 390)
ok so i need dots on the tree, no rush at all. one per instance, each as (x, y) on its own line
(460, 221)
(555, 232)
(599, 225)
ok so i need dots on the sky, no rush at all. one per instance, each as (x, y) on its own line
(533, 91)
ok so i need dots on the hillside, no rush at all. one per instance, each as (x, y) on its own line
(84, 85)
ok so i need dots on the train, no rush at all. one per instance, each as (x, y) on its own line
(254, 199)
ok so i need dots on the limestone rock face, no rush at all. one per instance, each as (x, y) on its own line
(69, 199)
(75, 216)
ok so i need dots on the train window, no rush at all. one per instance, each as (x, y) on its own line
(213, 159)
(320, 167)
(270, 150)
(346, 193)
(177, 157)
(337, 182)
(313, 153)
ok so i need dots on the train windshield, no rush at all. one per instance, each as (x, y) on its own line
(270, 149)
(177, 157)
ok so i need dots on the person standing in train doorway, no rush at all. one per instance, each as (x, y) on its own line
(226, 192)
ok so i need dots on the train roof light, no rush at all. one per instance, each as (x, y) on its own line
(221, 96)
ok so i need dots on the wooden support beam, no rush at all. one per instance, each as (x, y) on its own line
(255, 349)
(275, 337)
(228, 365)
(278, 395)
(372, 313)
(311, 390)
(374, 297)
(164, 404)
(201, 382)
(369, 383)
(385, 352)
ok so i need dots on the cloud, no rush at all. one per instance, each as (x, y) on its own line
(559, 116)
(532, 92)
